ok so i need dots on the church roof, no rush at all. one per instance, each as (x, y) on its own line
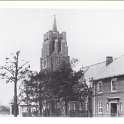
(54, 24)
(101, 70)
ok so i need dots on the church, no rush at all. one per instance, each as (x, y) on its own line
(54, 55)
(54, 50)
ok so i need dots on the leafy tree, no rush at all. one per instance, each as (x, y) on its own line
(26, 95)
(13, 71)
(42, 93)
(80, 87)
(62, 86)
(33, 90)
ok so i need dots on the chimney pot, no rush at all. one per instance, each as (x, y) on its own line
(109, 60)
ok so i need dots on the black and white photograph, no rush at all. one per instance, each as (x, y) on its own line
(61, 62)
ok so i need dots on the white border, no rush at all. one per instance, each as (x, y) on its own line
(62, 5)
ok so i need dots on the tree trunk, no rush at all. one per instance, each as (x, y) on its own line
(15, 86)
(15, 100)
(40, 107)
(52, 107)
(66, 106)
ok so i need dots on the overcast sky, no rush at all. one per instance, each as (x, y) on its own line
(91, 35)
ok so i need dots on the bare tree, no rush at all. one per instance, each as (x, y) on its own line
(13, 71)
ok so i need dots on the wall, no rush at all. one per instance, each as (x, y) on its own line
(106, 94)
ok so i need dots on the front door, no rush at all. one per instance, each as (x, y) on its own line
(113, 109)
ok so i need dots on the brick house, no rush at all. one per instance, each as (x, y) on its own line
(107, 82)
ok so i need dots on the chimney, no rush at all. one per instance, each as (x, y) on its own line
(109, 60)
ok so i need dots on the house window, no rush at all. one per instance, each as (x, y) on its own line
(69, 106)
(86, 106)
(72, 106)
(99, 86)
(100, 108)
(114, 84)
(80, 107)
(107, 107)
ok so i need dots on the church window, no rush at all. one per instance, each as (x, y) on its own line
(45, 63)
(59, 46)
(53, 45)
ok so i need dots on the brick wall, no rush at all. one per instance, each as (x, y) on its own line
(106, 97)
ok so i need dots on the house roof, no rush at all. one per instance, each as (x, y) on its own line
(101, 70)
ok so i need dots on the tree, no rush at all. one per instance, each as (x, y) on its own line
(33, 90)
(60, 86)
(4, 109)
(42, 79)
(26, 95)
(13, 71)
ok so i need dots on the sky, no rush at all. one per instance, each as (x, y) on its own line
(92, 34)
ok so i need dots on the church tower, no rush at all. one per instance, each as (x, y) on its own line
(54, 50)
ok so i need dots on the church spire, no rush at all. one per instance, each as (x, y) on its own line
(54, 24)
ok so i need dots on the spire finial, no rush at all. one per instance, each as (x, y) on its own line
(54, 24)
